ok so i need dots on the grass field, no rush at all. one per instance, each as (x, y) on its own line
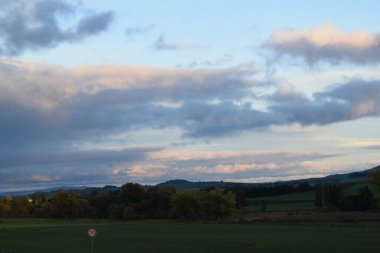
(286, 202)
(282, 206)
(38, 236)
(302, 200)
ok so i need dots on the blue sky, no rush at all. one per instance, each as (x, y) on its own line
(106, 92)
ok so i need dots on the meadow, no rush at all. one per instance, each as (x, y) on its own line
(47, 236)
(300, 201)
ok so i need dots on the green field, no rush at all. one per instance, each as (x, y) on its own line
(38, 236)
(307, 196)
(286, 202)
(302, 200)
(273, 206)
(355, 188)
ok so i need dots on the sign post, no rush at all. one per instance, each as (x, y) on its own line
(91, 232)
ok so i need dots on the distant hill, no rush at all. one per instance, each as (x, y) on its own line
(184, 184)
(181, 184)
(353, 177)
(48, 190)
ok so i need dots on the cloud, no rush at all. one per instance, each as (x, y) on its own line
(36, 25)
(42, 105)
(154, 164)
(326, 44)
(221, 165)
(348, 101)
(45, 108)
(94, 24)
(138, 30)
(361, 143)
(80, 167)
(225, 58)
(161, 44)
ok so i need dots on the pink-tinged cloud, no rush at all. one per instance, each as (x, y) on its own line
(56, 104)
(327, 44)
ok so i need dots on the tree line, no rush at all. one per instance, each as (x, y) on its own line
(331, 196)
(131, 202)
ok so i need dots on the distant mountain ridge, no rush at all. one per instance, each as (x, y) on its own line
(181, 184)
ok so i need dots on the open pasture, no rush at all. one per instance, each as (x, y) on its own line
(43, 236)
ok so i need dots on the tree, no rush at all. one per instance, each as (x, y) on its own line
(6, 206)
(99, 205)
(213, 204)
(21, 207)
(375, 178)
(218, 205)
(157, 203)
(129, 213)
(186, 205)
(38, 201)
(115, 211)
(364, 201)
(132, 193)
(318, 201)
(3, 209)
(240, 196)
(332, 196)
(65, 204)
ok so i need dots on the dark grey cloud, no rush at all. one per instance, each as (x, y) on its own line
(35, 25)
(326, 44)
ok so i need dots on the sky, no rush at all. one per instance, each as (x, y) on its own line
(96, 93)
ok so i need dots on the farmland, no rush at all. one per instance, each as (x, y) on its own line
(43, 236)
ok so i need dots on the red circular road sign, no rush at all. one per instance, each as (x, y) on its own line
(91, 232)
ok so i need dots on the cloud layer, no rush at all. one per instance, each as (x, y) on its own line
(35, 25)
(155, 164)
(49, 112)
(326, 44)
(43, 104)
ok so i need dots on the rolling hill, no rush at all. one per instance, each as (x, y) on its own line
(346, 178)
